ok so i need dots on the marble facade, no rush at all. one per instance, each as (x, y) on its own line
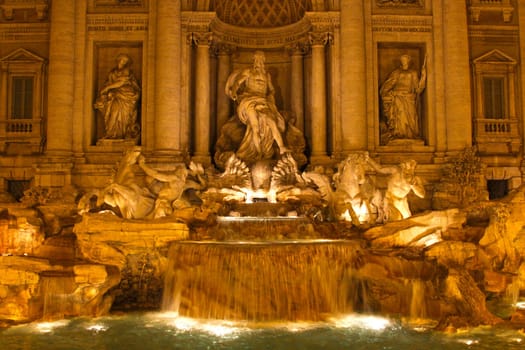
(328, 60)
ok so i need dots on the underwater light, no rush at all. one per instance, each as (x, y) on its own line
(468, 341)
(520, 305)
(97, 328)
(219, 330)
(47, 327)
(185, 324)
(367, 322)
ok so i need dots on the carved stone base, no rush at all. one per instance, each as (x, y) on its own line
(116, 145)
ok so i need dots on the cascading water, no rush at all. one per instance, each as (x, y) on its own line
(263, 281)
(56, 290)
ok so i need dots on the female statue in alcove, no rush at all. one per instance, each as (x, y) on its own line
(400, 94)
(118, 100)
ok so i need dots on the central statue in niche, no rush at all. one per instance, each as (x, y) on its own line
(253, 91)
(258, 131)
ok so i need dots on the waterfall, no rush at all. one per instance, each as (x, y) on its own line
(55, 290)
(418, 300)
(261, 281)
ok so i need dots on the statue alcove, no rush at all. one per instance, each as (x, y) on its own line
(283, 45)
(106, 55)
(389, 55)
(229, 134)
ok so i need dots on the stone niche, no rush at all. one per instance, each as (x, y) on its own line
(389, 54)
(105, 54)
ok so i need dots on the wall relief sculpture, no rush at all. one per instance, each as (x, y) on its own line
(118, 101)
(400, 97)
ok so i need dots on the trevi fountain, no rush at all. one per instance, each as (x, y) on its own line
(263, 248)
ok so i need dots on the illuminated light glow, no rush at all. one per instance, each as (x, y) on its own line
(47, 327)
(360, 210)
(367, 322)
(220, 330)
(346, 216)
(97, 328)
(298, 326)
(186, 324)
(520, 305)
(468, 341)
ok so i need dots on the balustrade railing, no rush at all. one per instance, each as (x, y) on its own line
(504, 128)
(20, 128)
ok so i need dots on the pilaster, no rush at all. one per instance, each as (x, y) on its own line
(457, 86)
(168, 78)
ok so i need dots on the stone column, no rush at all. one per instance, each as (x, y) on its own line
(521, 97)
(168, 78)
(354, 130)
(3, 94)
(202, 97)
(224, 70)
(318, 93)
(54, 169)
(457, 87)
(80, 64)
(297, 52)
(61, 78)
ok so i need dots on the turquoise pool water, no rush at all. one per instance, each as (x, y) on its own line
(152, 331)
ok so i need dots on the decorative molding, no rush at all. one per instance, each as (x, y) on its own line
(258, 37)
(324, 21)
(118, 6)
(197, 21)
(117, 23)
(261, 14)
(20, 56)
(400, 3)
(507, 34)
(503, 6)
(35, 32)
(390, 23)
(124, 3)
(9, 6)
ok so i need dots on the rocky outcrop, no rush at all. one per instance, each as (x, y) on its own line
(33, 288)
(137, 248)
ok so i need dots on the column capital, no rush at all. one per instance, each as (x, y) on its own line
(320, 38)
(298, 48)
(200, 38)
(223, 49)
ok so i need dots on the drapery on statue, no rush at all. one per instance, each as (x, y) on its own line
(253, 91)
(400, 93)
(118, 100)
(125, 193)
